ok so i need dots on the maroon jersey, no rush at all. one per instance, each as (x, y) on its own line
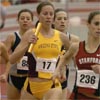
(84, 60)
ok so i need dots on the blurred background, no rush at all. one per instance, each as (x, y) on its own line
(78, 12)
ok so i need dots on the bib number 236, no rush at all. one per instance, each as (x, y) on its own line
(87, 78)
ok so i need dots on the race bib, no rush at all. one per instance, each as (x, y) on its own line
(87, 79)
(22, 65)
(46, 65)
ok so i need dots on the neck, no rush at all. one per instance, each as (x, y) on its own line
(64, 31)
(21, 32)
(92, 42)
(49, 32)
(46, 30)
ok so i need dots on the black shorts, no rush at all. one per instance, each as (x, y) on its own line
(18, 82)
(64, 84)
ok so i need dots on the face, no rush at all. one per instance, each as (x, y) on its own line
(94, 26)
(25, 20)
(61, 21)
(46, 15)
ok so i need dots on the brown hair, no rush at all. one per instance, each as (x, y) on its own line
(42, 4)
(92, 15)
(58, 10)
(25, 10)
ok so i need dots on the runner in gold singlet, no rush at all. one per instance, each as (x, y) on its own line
(43, 58)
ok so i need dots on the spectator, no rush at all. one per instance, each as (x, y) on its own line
(29, 1)
(93, 0)
(6, 3)
(15, 2)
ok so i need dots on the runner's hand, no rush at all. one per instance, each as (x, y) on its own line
(3, 78)
(96, 68)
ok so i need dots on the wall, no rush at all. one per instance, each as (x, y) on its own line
(77, 9)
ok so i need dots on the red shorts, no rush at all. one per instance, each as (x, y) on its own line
(82, 97)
